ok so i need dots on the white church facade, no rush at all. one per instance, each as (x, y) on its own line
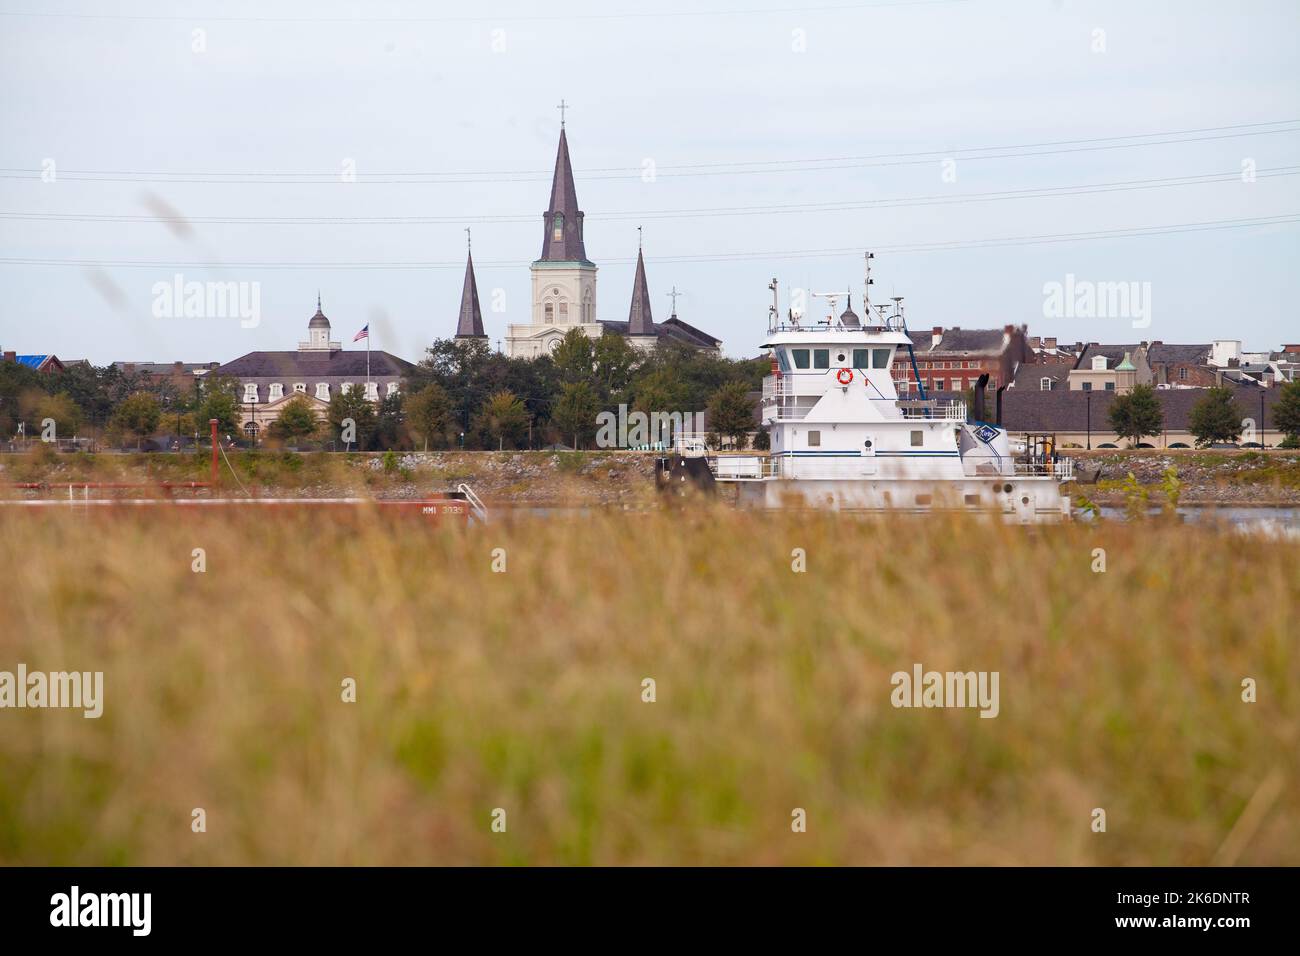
(564, 288)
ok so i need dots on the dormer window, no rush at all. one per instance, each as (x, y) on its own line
(1099, 363)
(250, 393)
(372, 391)
(277, 391)
(323, 391)
(300, 388)
(1044, 384)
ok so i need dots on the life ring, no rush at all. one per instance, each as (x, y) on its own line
(844, 376)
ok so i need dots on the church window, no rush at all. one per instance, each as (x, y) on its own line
(548, 313)
(557, 232)
(564, 312)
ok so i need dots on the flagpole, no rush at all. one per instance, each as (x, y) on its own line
(367, 360)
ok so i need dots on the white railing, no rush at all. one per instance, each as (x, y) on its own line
(743, 467)
(932, 409)
(476, 506)
(1061, 468)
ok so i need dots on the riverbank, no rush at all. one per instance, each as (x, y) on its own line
(598, 478)
(595, 478)
(1219, 477)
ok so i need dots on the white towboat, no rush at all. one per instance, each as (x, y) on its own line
(841, 437)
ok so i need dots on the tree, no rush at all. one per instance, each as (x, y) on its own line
(574, 412)
(429, 414)
(352, 418)
(503, 418)
(62, 410)
(660, 391)
(731, 412)
(138, 414)
(574, 356)
(219, 399)
(613, 360)
(1136, 414)
(297, 420)
(390, 424)
(1286, 411)
(1216, 417)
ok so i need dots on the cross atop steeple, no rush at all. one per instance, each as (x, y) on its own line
(469, 240)
(562, 107)
(673, 295)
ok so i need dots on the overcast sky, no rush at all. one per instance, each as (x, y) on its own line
(776, 138)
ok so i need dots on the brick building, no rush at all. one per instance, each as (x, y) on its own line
(951, 360)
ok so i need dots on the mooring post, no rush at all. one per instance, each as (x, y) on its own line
(212, 423)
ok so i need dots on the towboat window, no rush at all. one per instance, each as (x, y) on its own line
(860, 358)
(814, 439)
(821, 358)
(918, 439)
(800, 357)
(782, 361)
(880, 358)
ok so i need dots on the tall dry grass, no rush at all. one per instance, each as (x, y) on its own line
(522, 690)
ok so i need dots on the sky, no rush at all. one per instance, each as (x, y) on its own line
(983, 149)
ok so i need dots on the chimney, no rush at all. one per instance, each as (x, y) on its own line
(1035, 342)
(1050, 342)
(11, 356)
(936, 336)
(976, 413)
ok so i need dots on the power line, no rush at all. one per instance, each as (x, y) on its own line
(1045, 239)
(816, 164)
(1043, 192)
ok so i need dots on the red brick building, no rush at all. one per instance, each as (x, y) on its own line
(950, 360)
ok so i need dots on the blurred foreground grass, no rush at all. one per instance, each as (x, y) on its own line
(522, 690)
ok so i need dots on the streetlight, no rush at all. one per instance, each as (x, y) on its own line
(462, 441)
(1088, 401)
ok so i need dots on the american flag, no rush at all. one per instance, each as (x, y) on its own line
(363, 334)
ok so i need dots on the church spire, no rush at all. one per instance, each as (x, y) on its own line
(470, 323)
(562, 239)
(639, 319)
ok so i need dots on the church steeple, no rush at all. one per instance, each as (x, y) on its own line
(639, 319)
(470, 323)
(562, 238)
